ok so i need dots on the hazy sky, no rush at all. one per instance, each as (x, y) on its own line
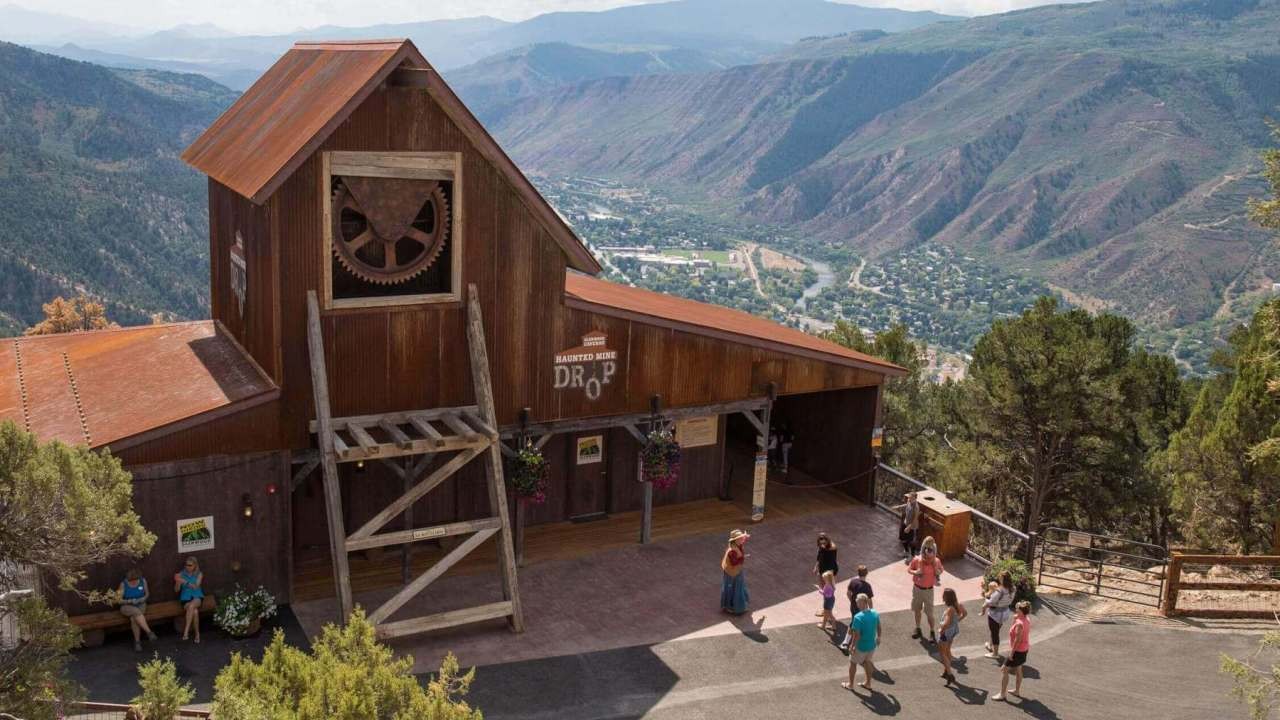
(270, 16)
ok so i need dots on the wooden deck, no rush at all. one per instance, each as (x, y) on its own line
(373, 570)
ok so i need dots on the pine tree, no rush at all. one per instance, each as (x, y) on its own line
(75, 315)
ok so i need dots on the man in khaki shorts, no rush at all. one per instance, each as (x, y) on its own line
(864, 628)
(926, 571)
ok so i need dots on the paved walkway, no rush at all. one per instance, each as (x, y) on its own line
(1075, 671)
(665, 591)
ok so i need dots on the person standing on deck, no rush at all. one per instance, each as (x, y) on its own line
(909, 524)
(865, 628)
(826, 561)
(733, 589)
(926, 572)
(858, 586)
(1020, 645)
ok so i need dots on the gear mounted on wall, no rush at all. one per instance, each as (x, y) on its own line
(388, 230)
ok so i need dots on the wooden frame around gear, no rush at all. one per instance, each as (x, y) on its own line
(445, 166)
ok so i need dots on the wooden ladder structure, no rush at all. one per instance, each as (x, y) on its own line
(469, 432)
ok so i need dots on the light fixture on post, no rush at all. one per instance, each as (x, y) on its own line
(246, 506)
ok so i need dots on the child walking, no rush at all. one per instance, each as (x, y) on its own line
(951, 618)
(828, 591)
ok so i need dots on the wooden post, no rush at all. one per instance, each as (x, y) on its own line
(761, 475)
(1173, 574)
(405, 559)
(332, 493)
(1275, 542)
(483, 384)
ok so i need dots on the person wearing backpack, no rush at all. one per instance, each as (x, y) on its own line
(999, 598)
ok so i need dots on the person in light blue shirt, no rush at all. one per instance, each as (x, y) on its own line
(865, 629)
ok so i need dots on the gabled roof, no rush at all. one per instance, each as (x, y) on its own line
(299, 101)
(699, 318)
(109, 387)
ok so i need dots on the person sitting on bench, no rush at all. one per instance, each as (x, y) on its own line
(187, 584)
(133, 605)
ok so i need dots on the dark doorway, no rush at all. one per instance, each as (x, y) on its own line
(588, 489)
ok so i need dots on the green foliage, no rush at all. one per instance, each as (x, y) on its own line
(31, 674)
(1256, 685)
(163, 695)
(1024, 582)
(61, 509)
(1225, 492)
(1267, 212)
(348, 675)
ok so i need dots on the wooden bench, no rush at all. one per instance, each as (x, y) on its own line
(94, 626)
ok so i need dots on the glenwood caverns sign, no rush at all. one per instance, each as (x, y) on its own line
(589, 366)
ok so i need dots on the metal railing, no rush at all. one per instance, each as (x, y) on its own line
(112, 711)
(989, 539)
(1102, 565)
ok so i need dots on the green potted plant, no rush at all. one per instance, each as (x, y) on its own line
(660, 459)
(240, 613)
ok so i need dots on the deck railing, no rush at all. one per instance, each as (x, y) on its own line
(989, 539)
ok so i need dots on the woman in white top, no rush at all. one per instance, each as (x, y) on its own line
(999, 597)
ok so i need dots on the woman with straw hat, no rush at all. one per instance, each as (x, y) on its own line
(733, 591)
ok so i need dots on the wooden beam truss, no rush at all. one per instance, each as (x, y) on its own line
(465, 432)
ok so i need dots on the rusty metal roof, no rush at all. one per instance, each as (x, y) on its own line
(711, 320)
(103, 387)
(284, 117)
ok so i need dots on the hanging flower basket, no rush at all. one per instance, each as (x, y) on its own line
(660, 459)
(528, 473)
(241, 612)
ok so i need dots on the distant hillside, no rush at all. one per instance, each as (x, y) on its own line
(730, 31)
(92, 194)
(541, 68)
(1107, 148)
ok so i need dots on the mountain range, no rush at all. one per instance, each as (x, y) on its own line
(728, 31)
(93, 196)
(1106, 147)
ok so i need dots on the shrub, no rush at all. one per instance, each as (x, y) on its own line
(347, 675)
(1024, 583)
(163, 695)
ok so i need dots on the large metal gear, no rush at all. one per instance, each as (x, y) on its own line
(389, 230)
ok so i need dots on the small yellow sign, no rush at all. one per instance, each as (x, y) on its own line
(590, 449)
(698, 431)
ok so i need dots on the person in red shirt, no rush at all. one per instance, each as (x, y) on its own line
(926, 572)
(1020, 645)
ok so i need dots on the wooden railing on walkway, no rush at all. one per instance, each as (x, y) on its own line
(113, 711)
(1176, 584)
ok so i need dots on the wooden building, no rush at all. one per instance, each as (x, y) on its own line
(366, 231)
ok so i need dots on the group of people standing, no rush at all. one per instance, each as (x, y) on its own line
(864, 630)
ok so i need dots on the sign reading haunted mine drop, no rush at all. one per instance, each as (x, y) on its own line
(587, 368)
(195, 534)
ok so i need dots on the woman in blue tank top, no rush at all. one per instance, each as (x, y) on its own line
(133, 605)
(187, 584)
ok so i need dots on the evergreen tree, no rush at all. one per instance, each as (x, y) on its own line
(61, 509)
(348, 675)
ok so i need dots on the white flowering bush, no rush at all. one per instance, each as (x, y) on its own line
(237, 611)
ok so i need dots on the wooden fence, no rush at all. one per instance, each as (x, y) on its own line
(1270, 586)
(113, 711)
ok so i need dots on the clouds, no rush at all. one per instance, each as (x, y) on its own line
(255, 16)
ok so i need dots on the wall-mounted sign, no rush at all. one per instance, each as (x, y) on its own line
(195, 534)
(698, 431)
(590, 449)
(239, 272)
(877, 438)
(590, 366)
(1079, 539)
